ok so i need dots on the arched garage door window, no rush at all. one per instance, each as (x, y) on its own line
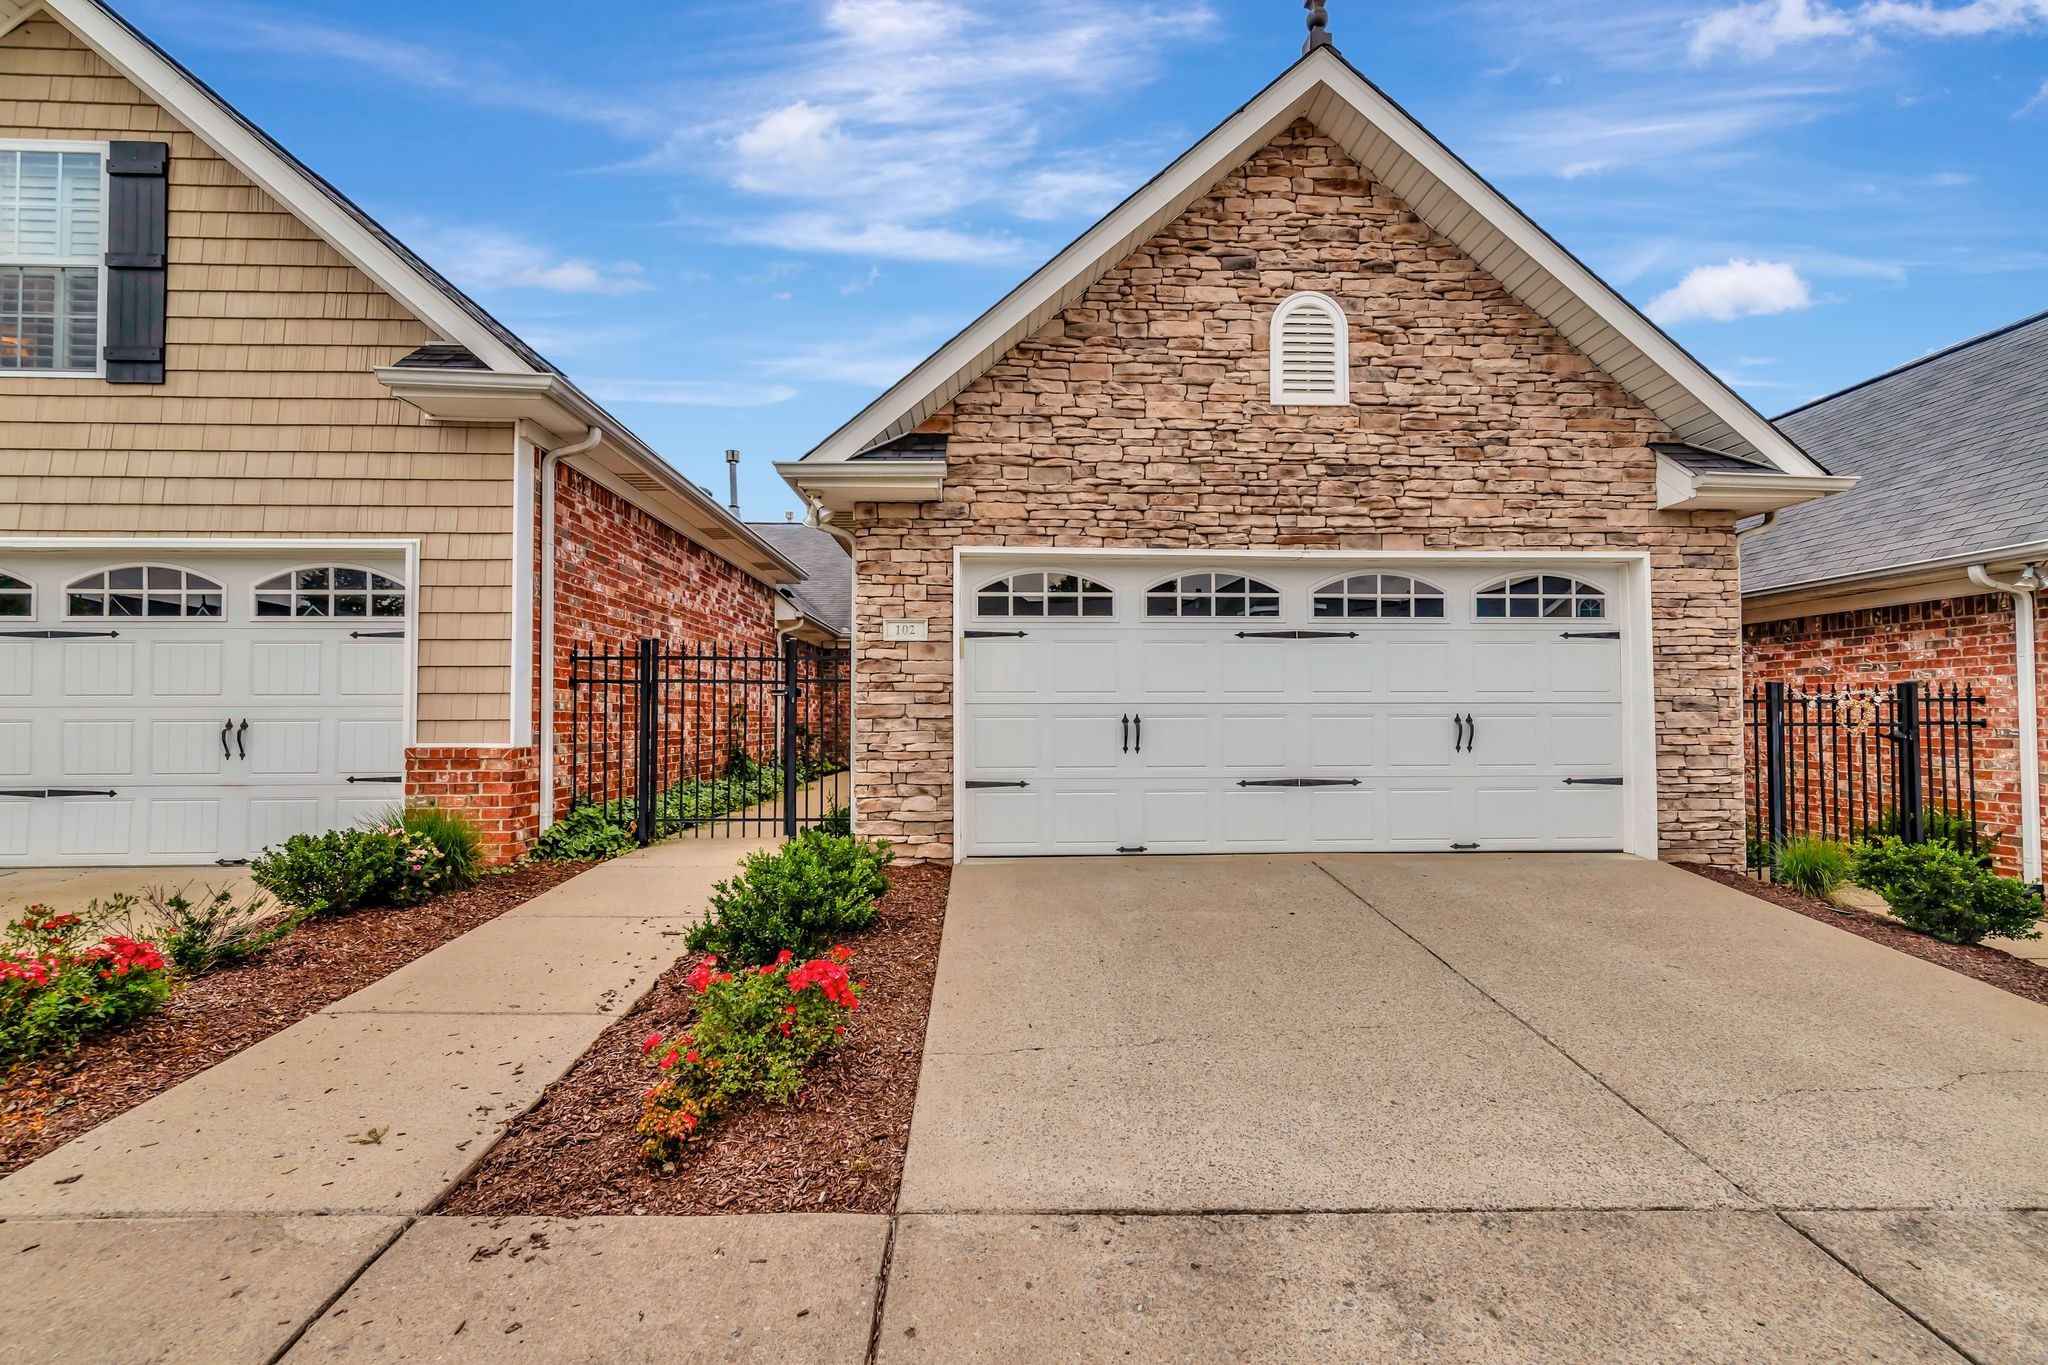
(1045, 594)
(1539, 595)
(17, 596)
(330, 590)
(1382, 596)
(157, 590)
(1212, 594)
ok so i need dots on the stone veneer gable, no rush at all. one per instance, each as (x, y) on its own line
(1137, 418)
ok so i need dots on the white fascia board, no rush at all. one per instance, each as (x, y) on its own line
(201, 112)
(1688, 490)
(841, 484)
(970, 354)
(1999, 559)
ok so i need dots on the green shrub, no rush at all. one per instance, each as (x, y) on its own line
(1813, 867)
(218, 930)
(328, 874)
(754, 1033)
(57, 986)
(798, 898)
(460, 842)
(585, 834)
(838, 820)
(1955, 829)
(1947, 893)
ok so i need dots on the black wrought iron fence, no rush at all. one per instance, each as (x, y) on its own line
(709, 740)
(1848, 763)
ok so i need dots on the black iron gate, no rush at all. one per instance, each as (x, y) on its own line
(1848, 763)
(709, 740)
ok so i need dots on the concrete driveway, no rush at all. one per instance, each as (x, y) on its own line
(1506, 1107)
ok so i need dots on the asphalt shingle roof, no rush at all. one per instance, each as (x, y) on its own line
(826, 596)
(1952, 450)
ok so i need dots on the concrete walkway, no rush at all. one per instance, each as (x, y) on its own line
(238, 1204)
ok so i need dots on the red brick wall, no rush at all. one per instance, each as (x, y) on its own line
(619, 575)
(1953, 640)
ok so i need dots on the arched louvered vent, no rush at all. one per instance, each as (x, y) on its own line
(1311, 348)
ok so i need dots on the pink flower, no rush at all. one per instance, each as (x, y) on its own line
(653, 1042)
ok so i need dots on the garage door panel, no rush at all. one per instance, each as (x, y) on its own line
(17, 668)
(1251, 668)
(1176, 817)
(1083, 819)
(95, 828)
(184, 826)
(1342, 740)
(1251, 742)
(1420, 740)
(1006, 821)
(1344, 668)
(1003, 742)
(1586, 817)
(1003, 670)
(1084, 670)
(1584, 669)
(368, 748)
(1583, 739)
(1422, 668)
(1083, 742)
(97, 748)
(98, 669)
(1508, 814)
(1511, 668)
(17, 821)
(185, 748)
(17, 748)
(274, 819)
(1419, 816)
(1508, 740)
(284, 668)
(1174, 668)
(185, 669)
(291, 748)
(1342, 817)
(1257, 817)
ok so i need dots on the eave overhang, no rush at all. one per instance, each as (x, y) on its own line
(1692, 490)
(838, 485)
(1923, 581)
(620, 462)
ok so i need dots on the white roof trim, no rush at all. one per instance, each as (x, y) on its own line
(1381, 137)
(1748, 491)
(212, 122)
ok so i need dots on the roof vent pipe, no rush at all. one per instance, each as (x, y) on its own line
(732, 475)
(2022, 595)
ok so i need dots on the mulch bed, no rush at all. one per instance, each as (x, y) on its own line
(2016, 975)
(838, 1148)
(46, 1102)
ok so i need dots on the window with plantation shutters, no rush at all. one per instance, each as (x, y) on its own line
(52, 239)
(1311, 347)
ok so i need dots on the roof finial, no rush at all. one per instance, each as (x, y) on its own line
(1318, 27)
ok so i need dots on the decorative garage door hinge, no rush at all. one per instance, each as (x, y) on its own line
(1300, 782)
(984, 786)
(1297, 635)
(993, 634)
(353, 780)
(1591, 635)
(1592, 781)
(1138, 849)
(60, 634)
(43, 793)
(376, 635)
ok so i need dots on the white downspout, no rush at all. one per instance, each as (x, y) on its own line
(2022, 595)
(820, 516)
(548, 462)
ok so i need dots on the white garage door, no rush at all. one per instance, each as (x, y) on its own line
(1130, 705)
(188, 708)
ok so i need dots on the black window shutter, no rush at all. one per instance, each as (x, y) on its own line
(138, 237)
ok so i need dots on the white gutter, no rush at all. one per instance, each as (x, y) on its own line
(548, 462)
(2022, 594)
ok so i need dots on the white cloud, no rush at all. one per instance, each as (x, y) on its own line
(876, 358)
(1738, 289)
(487, 259)
(892, 240)
(697, 393)
(2038, 102)
(1651, 128)
(1761, 29)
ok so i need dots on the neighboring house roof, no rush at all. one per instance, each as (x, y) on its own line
(826, 594)
(1440, 189)
(1953, 453)
(465, 327)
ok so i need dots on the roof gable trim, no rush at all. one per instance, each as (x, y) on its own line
(1325, 89)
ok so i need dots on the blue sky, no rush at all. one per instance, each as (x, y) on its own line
(734, 222)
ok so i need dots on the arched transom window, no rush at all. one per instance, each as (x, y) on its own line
(1537, 595)
(143, 590)
(1212, 594)
(17, 596)
(1045, 594)
(330, 590)
(1311, 346)
(1385, 596)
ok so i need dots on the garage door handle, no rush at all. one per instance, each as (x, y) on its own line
(1138, 729)
(1458, 728)
(1471, 733)
(1125, 721)
(241, 731)
(227, 728)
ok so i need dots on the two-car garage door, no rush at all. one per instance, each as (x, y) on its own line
(1175, 708)
(162, 707)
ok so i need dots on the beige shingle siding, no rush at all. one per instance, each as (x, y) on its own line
(269, 422)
